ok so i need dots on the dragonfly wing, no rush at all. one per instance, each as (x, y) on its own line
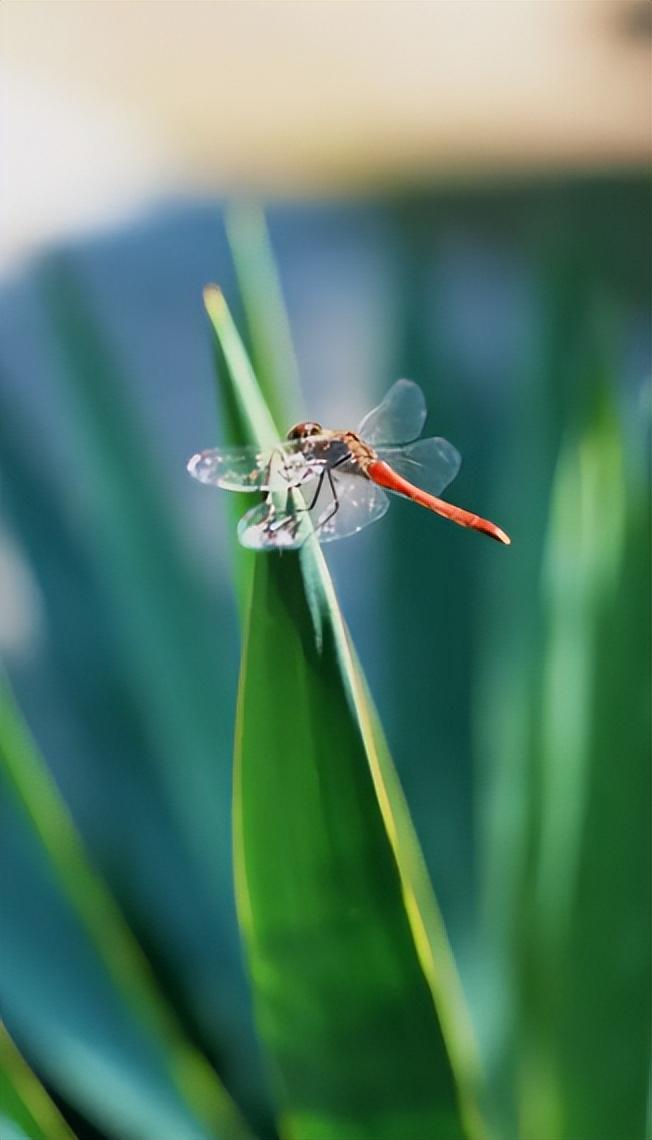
(233, 468)
(400, 417)
(270, 527)
(285, 519)
(250, 469)
(356, 503)
(331, 514)
(429, 463)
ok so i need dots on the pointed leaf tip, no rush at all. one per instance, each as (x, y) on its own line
(214, 301)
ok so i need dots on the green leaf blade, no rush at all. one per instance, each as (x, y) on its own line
(344, 1005)
(347, 955)
(26, 1110)
(587, 945)
(187, 1073)
(269, 331)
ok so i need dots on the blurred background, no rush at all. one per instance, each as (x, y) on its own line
(457, 192)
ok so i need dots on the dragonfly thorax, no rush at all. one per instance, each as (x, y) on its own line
(304, 430)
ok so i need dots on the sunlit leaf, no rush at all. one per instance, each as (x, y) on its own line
(356, 994)
(586, 953)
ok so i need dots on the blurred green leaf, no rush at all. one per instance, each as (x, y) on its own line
(106, 769)
(586, 952)
(356, 994)
(111, 938)
(25, 1108)
(272, 350)
(166, 648)
(160, 611)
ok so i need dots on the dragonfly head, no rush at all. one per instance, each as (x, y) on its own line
(303, 431)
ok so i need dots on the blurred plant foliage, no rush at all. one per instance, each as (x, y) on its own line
(26, 1111)
(517, 710)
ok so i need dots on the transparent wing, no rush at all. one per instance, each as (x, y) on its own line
(400, 417)
(429, 463)
(270, 527)
(357, 502)
(234, 468)
(353, 504)
(291, 463)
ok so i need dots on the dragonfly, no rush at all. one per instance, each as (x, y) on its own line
(333, 482)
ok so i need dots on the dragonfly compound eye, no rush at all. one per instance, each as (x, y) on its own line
(302, 431)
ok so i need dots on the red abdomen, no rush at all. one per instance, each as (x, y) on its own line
(382, 474)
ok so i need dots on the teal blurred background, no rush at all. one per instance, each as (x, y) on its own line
(513, 684)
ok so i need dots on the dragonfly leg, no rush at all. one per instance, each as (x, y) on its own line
(335, 504)
(317, 492)
(320, 484)
(327, 472)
